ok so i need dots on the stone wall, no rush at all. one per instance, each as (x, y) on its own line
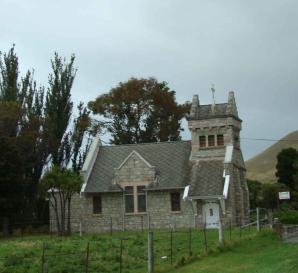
(158, 213)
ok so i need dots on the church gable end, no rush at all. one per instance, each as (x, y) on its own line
(134, 170)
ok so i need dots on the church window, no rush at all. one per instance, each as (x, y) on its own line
(97, 207)
(220, 140)
(211, 141)
(135, 199)
(175, 201)
(141, 198)
(202, 140)
(129, 199)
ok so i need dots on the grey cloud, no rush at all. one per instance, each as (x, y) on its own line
(247, 46)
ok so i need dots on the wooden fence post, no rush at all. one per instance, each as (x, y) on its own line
(230, 229)
(42, 258)
(220, 231)
(258, 219)
(111, 225)
(121, 252)
(205, 237)
(189, 242)
(87, 258)
(171, 244)
(150, 252)
(270, 218)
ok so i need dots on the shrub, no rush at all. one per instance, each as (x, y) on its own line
(288, 216)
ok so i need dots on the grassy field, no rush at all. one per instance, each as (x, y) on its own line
(263, 254)
(58, 255)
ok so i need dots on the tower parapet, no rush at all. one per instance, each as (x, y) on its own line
(213, 126)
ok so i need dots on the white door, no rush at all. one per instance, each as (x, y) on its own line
(211, 214)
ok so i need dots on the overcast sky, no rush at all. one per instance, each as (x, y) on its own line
(250, 47)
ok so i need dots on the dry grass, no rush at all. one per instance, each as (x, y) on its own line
(262, 166)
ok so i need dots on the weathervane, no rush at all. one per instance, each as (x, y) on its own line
(213, 93)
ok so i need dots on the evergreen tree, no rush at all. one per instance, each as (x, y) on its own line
(21, 121)
(58, 105)
(287, 168)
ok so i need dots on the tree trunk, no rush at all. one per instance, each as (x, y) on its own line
(55, 207)
(62, 214)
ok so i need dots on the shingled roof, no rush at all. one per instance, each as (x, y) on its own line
(171, 160)
(207, 178)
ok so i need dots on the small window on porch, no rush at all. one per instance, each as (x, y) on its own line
(97, 207)
(211, 212)
(175, 201)
(211, 141)
(202, 140)
(220, 140)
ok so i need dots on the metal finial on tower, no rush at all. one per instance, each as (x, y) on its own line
(213, 93)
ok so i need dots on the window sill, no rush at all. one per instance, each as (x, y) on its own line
(135, 213)
(176, 212)
(96, 214)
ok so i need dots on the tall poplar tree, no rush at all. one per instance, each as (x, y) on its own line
(58, 105)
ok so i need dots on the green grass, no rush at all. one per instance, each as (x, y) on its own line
(262, 254)
(24, 255)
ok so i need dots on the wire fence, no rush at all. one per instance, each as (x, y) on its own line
(112, 252)
(34, 247)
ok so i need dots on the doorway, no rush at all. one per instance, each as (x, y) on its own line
(211, 214)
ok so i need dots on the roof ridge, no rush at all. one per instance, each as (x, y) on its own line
(146, 143)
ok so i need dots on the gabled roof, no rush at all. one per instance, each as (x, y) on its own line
(171, 160)
(139, 156)
(207, 178)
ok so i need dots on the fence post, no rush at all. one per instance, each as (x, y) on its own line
(150, 252)
(121, 251)
(81, 228)
(230, 229)
(111, 225)
(51, 228)
(189, 242)
(270, 218)
(220, 231)
(171, 243)
(42, 258)
(149, 221)
(142, 223)
(258, 219)
(240, 231)
(87, 258)
(205, 237)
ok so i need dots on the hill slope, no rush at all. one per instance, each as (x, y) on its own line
(262, 166)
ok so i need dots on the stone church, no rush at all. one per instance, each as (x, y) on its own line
(168, 184)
